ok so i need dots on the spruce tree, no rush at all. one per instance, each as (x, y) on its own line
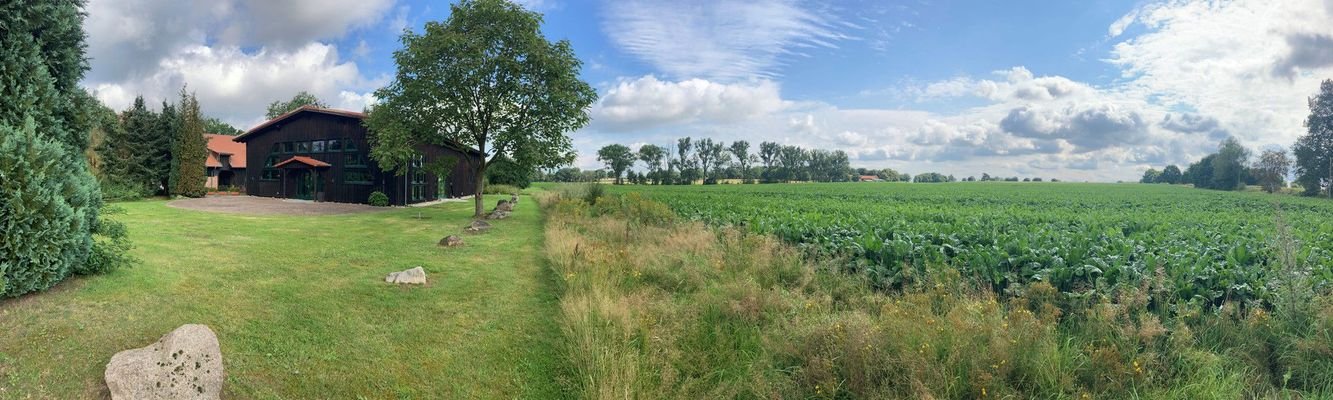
(191, 150)
(160, 148)
(49, 201)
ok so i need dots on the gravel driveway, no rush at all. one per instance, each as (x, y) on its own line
(251, 205)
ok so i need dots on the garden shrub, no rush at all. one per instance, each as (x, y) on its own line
(378, 199)
(44, 221)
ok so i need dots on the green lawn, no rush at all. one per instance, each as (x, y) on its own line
(301, 308)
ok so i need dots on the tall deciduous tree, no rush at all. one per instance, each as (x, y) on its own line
(1150, 176)
(740, 150)
(652, 156)
(685, 161)
(1229, 165)
(1170, 175)
(1314, 150)
(191, 150)
(617, 158)
(304, 98)
(768, 154)
(485, 78)
(1272, 169)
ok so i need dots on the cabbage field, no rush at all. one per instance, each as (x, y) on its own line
(1082, 238)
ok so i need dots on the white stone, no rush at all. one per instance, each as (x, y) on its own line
(415, 276)
(184, 364)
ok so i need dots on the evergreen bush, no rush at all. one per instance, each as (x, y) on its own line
(378, 199)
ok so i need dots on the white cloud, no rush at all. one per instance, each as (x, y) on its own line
(725, 40)
(647, 102)
(237, 86)
(236, 55)
(1241, 62)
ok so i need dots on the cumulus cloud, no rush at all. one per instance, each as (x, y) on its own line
(1091, 128)
(1226, 60)
(1308, 52)
(1019, 84)
(648, 102)
(236, 55)
(230, 82)
(726, 40)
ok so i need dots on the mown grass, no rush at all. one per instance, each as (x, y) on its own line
(301, 308)
(655, 307)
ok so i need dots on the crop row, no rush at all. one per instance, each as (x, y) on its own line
(1082, 238)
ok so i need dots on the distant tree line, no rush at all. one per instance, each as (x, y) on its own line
(1232, 167)
(711, 161)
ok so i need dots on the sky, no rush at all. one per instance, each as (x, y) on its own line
(1090, 90)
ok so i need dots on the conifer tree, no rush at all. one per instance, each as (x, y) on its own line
(191, 150)
(49, 201)
(160, 148)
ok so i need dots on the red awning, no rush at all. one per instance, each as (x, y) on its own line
(302, 162)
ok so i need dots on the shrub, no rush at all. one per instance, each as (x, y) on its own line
(111, 245)
(378, 199)
(43, 233)
(117, 190)
(501, 189)
(592, 192)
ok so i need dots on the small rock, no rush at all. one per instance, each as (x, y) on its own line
(477, 226)
(415, 276)
(184, 364)
(498, 215)
(451, 241)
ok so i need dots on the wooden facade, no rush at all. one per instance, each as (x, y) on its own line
(323, 155)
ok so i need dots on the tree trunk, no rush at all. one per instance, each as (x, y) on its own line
(481, 186)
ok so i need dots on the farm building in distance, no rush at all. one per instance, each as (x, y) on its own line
(322, 154)
(226, 162)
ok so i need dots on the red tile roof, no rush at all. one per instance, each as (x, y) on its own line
(303, 160)
(289, 114)
(223, 145)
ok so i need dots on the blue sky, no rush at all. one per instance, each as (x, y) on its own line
(1078, 90)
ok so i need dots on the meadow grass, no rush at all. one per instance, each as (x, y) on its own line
(656, 307)
(301, 308)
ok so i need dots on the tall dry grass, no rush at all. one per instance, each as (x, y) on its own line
(654, 307)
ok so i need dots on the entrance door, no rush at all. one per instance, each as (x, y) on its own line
(305, 184)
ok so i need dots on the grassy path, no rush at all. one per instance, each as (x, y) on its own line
(301, 308)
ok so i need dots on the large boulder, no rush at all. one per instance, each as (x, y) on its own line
(451, 241)
(477, 226)
(503, 205)
(415, 276)
(184, 364)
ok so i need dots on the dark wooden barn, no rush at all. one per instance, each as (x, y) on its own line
(322, 154)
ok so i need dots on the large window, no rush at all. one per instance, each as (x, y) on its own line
(357, 176)
(317, 146)
(302, 147)
(349, 145)
(270, 174)
(354, 159)
(419, 188)
(335, 145)
(288, 147)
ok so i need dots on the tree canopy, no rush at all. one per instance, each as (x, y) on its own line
(1314, 150)
(279, 107)
(617, 158)
(485, 78)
